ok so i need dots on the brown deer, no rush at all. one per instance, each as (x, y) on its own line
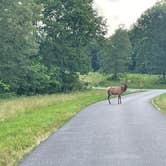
(117, 90)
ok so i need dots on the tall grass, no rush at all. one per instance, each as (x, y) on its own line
(26, 121)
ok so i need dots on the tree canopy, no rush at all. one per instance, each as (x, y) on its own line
(18, 42)
(44, 44)
(117, 53)
(148, 38)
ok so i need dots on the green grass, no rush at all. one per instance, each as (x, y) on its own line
(160, 101)
(137, 81)
(26, 121)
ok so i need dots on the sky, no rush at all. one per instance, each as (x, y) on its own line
(119, 12)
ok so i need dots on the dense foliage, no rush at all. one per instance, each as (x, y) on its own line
(117, 53)
(144, 51)
(148, 38)
(18, 42)
(44, 44)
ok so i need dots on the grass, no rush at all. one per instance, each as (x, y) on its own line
(138, 81)
(160, 101)
(26, 121)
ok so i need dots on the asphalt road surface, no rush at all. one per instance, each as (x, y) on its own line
(130, 134)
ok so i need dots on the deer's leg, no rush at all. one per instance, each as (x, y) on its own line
(109, 99)
(120, 99)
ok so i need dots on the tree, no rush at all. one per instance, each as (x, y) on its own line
(69, 27)
(18, 40)
(117, 53)
(44, 44)
(94, 51)
(148, 38)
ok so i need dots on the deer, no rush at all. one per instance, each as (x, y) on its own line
(117, 90)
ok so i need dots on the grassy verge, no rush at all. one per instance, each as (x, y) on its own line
(26, 121)
(138, 81)
(160, 102)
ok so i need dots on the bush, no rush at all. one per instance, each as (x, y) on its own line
(70, 82)
(4, 87)
(39, 80)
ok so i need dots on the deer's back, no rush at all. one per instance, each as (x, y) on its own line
(115, 90)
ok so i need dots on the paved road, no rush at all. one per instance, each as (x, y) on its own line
(131, 134)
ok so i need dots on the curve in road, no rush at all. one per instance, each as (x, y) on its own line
(131, 134)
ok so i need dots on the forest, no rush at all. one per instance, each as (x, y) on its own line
(46, 44)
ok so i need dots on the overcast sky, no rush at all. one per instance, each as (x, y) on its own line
(122, 11)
